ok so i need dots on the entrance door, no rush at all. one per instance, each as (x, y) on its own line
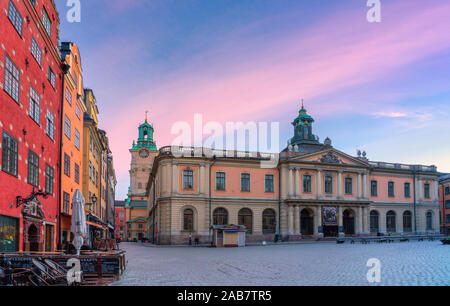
(33, 238)
(48, 238)
(330, 231)
(349, 222)
(306, 223)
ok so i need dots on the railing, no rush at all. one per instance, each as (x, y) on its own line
(403, 167)
(207, 152)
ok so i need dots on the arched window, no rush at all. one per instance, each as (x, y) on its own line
(407, 221)
(140, 185)
(220, 216)
(188, 220)
(374, 221)
(391, 225)
(429, 217)
(269, 221)
(245, 217)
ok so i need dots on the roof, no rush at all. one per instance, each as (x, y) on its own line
(444, 177)
(137, 219)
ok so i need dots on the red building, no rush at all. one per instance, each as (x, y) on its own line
(30, 124)
(120, 220)
(444, 201)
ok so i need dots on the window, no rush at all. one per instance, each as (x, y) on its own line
(51, 77)
(121, 214)
(328, 184)
(78, 111)
(429, 217)
(188, 179)
(374, 188)
(269, 183)
(391, 189)
(67, 126)
(307, 184)
(66, 202)
(447, 218)
(77, 139)
(188, 220)
(33, 169)
(14, 17)
(49, 174)
(10, 153)
(75, 80)
(47, 23)
(245, 217)
(348, 185)
(36, 51)
(407, 190)
(220, 216)
(77, 173)
(220, 181)
(35, 105)
(269, 222)
(447, 190)
(374, 221)
(391, 225)
(426, 193)
(50, 128)
(66, 164)
(245, 182)
(68, 96)
(407, 222)
(12, 79)
(447, 204)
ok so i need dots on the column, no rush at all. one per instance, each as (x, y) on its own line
(174, 177)
(203, 183)
(291, 220)
(359, 186)
(319, 183)
(339, 185)
(290, 183)
(359, 219)
(297, 220)
(435, 191)
(319, 220)
(340, 221)
(316, 221)
(297, 182)
(365, 194)
(284, 186)
(420, 189)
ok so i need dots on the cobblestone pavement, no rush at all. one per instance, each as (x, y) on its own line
(315, 264)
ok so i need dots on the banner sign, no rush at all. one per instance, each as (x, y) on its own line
(329, 216)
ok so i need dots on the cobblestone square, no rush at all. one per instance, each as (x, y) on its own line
(314, 264)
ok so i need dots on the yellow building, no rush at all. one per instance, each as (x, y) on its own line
(92, 162)
(72, 138)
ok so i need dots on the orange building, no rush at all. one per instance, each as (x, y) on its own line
(72, 134)
(444, 201)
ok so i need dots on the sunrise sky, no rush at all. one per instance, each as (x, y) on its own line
(380, 87)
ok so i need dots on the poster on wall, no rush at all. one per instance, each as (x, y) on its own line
(329, 216)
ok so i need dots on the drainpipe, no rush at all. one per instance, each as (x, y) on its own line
(65, 69)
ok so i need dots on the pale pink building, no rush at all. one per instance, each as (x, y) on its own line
(314, 191)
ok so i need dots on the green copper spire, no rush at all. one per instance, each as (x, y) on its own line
(145, 139)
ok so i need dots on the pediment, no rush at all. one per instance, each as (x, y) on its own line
(331, 156)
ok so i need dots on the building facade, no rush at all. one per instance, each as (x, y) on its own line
(120, 221)
(72, 136)
(314, 191)
(30, 125)
(444, 201)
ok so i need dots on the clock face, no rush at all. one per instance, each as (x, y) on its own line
(143, 153)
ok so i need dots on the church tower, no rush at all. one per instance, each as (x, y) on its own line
(143, 153)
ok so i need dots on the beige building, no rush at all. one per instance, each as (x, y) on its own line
(314, 191)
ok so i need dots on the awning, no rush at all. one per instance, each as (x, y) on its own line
(95, 225)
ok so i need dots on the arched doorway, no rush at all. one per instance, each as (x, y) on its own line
(269, 221)
(33, 238)
(307, 222)
(349, 222)
(407, 222)
(374, 222)
(391, 224)
(245, 217)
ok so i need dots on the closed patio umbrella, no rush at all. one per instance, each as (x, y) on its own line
(79, 227)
